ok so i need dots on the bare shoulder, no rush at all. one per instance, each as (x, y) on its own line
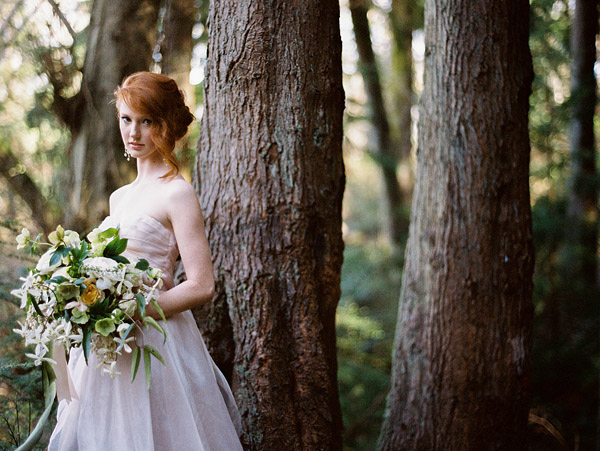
(179, 189)
(116, 197)
(181, 198)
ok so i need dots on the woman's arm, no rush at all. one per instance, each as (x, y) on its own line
(185, 215)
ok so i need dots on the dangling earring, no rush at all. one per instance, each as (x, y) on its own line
(127, 154)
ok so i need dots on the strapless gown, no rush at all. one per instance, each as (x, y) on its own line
(189, 405)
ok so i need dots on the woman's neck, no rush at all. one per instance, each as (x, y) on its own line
(150, 168)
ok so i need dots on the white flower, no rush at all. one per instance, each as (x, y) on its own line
(39, 359)
(104, 283)
(154, 273)
(57, 236)
(23, 238)
(71, 239)
(64, 333)
(63, 272)
(77, 305)
(128, 307)
(43, 265)
(98, 244)
(22, 292)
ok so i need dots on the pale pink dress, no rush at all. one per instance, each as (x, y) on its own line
(189, 405)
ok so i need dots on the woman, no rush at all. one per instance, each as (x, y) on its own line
(189, 405)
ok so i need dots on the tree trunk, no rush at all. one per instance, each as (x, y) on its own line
(26, 189)
(178, 44)
(462, 350)
(383, 148)
(271, 182)
(582, 210)
(579, 258)
(120, 39)
(177, 49)
(403, 19)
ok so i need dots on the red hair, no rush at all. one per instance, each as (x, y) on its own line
(158, 97)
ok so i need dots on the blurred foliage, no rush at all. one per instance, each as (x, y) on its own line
(365, 332)
(566, 349)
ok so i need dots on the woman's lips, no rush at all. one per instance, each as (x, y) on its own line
(136, 146)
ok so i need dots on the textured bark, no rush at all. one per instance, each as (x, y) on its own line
(271, 183)
(383, 147)
(460, 377)
(120, 39)
(582, 209)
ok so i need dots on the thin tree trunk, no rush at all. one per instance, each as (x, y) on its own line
(120, 39)
(582, 209)
(177, 49)
(403, 18)
(178, 44)
(21, 184)
(271, 184)
(579, 262)
(383, 147)
(462, 350)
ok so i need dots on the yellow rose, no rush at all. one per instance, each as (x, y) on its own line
(91, 294)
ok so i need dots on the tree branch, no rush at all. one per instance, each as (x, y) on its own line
(25, 188)
(63, 19)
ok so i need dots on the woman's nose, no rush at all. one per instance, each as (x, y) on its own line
(134, 131)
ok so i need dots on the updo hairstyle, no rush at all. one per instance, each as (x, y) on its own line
(158, 97)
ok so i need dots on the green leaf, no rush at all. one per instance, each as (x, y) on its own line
(36, 307)
(120, 259)
(115, 247)
(61, 251)
(79, 281)
(158, 309)
(99, 308)
(141, 302)
(79, 254)
(108, 233)
(142, 264)
(87, 342)
(55, 258)
(57, 280)
(129, 329)
(156, 354)
(147, 365)
(152, 322)
(135, 363)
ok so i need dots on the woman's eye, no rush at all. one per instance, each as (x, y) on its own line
(147, 122)
(125, 119)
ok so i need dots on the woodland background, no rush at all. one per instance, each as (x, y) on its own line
(49, 117)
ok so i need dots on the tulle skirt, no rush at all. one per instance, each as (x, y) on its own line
(189, 405)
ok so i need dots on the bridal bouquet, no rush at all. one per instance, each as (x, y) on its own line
(84, 293)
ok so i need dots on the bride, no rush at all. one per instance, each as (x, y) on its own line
(189, 405)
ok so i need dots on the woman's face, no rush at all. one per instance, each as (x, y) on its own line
(135, 132)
